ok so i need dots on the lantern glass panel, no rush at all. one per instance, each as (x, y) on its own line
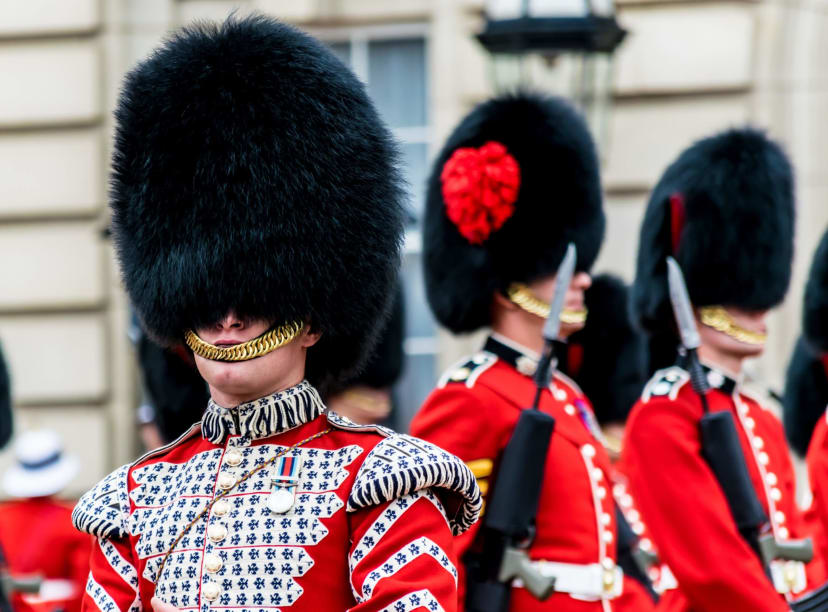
(558, 8)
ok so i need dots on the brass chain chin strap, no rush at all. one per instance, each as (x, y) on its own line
(224, 493)
(262, 345)
(719, 319)
(522, 296)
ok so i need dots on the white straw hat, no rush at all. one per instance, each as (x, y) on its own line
(41, 468)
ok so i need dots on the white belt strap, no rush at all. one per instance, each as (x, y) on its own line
(788, 576)
(666, 579)
(590, 582)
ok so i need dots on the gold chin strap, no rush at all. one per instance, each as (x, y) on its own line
(719, 319)
(522, 296)
(257, 347)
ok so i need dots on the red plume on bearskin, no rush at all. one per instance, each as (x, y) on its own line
(516, 181)
(480, 187)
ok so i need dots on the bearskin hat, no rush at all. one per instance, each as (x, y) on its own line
(6, 415)
(516, 181)
(725, 210)
(608, 357)
(252, 173)
(806, 395)
(385, 363)
(174, 387)
(815, 309)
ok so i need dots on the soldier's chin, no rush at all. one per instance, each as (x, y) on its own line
(567, 329)
(740, 349)
(227, 376)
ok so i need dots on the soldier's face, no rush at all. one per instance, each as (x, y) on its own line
(233, 383)
(573, 301)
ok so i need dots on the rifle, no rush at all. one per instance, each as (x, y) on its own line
(723, 452)
(509, 523)
(631, 558)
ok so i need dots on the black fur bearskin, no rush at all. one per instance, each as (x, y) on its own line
(613, 355)
(385, 365)
(6, 414)
(815, 308)
(559, 201)
(806, 396)
(251, 172)
(736, 243)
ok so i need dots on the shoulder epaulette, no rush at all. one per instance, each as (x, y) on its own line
(103, 511)
(468, 369)
(665, 383)
(400, 465)
(343, 422)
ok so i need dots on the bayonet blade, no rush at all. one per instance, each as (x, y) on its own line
(562, 280)
(682, 308)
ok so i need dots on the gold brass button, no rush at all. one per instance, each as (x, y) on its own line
(776, 494)
(607, 563)
(588, 450)
(210, 591)
(606, 519)
(764, 459)
(216, 533)
(779, 516)
(221, 507)
(212, 563)
(638, 528)
(233, 457)
(771, 479)
(226, 481)
(607, 537)
(601, 492)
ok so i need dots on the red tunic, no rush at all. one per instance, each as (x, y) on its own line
(817, 461)
(366, 529)
(37, 537)
(683, 504)
(473, 413)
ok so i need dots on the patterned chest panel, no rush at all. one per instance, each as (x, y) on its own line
(242, 554)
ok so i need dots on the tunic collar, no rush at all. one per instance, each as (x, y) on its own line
(524, 360)
(719, 379)
(267, 416)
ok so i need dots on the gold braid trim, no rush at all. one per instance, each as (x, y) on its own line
(719, 319)
(262, 345)
(522, 296)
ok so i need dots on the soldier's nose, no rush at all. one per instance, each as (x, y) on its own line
(231, 321)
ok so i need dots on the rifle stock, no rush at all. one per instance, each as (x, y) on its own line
(510, 516)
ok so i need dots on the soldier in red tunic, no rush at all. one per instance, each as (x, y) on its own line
(517, 181)
(724, 210)
(257, 215)
(806, 389)
(38, 544)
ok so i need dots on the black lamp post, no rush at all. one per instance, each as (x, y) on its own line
(565, 46)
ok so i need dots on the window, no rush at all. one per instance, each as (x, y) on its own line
(391, 61)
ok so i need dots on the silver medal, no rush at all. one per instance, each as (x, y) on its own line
(281, 499)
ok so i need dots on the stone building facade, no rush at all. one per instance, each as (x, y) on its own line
(687, 68)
